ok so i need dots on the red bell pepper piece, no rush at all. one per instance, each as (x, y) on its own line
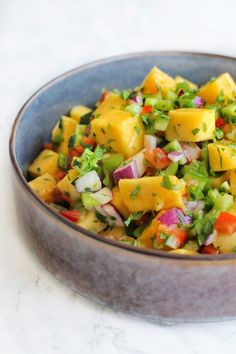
(220, 122)
(72, 215)
(60, 174)
(157, 158)
(209, 250)
(225, 223)
(146, 109)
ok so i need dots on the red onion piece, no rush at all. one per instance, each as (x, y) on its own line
(127, 171)
(103, 196)
(210, 239)
(191, 151)
(150, 141)
(114, 218)
(175, 156)
(136, 98)
(174, 216)
(198, 101)
(140, 161)
(89, 181)
(194, 205)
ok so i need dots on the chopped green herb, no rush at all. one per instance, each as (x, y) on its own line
(135, 192)
(195, 131)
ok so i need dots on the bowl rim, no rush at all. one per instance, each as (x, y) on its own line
(58, 217)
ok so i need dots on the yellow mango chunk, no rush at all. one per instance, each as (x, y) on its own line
(222, 84)
(119, 131)
(44, 187)
(191, 124)
(64, 129)
(89, 221)
(222, 156)
(117, 202)
(225, 243)
(79, 111)
(45, 162)
(66, 187)
(148, 234)
(180, 79)
(111, 101)
(217, 181)
(232, 182)
(156, 80)
(148, 193)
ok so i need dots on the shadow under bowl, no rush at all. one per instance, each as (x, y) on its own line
(148, 283)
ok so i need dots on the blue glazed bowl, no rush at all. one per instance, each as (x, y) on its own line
(147, 283)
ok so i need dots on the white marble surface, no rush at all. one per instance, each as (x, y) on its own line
(39, 40)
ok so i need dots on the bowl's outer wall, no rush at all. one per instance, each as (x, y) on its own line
(146, 285)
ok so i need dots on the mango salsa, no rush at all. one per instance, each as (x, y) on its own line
(119, 131)
(152, 166)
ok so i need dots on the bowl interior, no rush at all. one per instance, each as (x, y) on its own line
(83, 86)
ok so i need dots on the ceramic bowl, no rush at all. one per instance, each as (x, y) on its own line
(148, 283)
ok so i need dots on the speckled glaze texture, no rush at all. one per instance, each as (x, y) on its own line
(151, 284)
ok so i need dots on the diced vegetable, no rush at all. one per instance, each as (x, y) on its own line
(174, 216)
(127, 171)
(150, 141)
(90, 182)
(157, 158)
(72, 215)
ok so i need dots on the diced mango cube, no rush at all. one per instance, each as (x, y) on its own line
(64, 128)
(119, 131)
(223, 84)
(45, 162)
(222, 156)
(180, 79)
(66, 187)
(44, 187)
(117, 202)
(156, 80)
(149, 233)
(191, 124)
(149, 193)
(111, 101)
(232, 182)
(79, 111)
(89, 221)
(225, 243)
